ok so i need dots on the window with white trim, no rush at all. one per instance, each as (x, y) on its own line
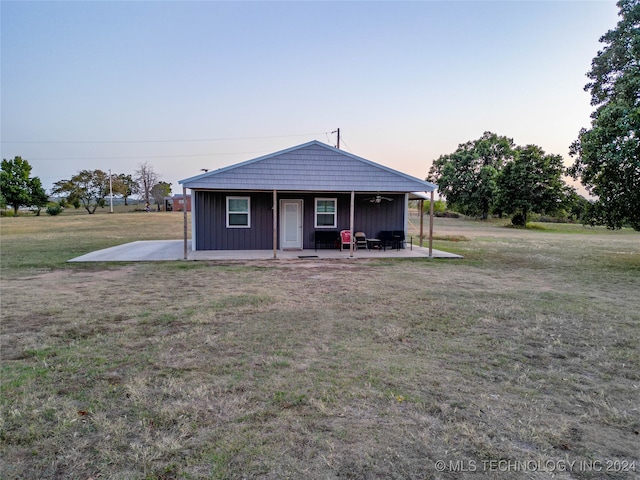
(326, 212)
(238, 212)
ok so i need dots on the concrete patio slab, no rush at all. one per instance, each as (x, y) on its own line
(168, 250)
(141, 251)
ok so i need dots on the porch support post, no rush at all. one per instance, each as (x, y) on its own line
(431, 226)
(275, 224)
(351, 215)
(421, 209)
(184, 215)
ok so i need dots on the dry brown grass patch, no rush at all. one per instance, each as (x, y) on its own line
(526, 350)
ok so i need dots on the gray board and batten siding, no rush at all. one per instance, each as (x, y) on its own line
(212, 233)
(306, 172)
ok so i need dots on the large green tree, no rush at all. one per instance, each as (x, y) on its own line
(18, 188)
(607, 155)
(159, 191)
(532, 182)
(124, 185)
(88, 187)
(467, 178)
(39, 197)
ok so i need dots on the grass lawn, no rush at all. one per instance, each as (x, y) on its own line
(520, 361)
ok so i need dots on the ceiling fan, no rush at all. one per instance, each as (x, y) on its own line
(378, 199)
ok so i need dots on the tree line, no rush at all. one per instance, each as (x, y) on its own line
(87, 188)
(492, 175)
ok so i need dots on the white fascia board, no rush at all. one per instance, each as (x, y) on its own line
(418, 196)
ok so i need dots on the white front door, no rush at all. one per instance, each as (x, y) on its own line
(291, 224)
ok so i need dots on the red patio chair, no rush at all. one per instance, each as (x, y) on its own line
(345, 238)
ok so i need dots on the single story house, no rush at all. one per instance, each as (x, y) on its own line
(291, 198)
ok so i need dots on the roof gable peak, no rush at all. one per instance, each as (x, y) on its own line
(308, 166)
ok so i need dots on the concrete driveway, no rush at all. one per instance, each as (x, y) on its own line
(167, 250)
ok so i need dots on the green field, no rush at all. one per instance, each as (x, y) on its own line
(520, 361)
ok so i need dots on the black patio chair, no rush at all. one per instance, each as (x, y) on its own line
(360, 240)
(399, 238)
(386, 239)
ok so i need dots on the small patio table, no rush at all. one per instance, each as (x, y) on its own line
(374, 243)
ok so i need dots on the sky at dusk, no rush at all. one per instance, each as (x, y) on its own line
(192, 85)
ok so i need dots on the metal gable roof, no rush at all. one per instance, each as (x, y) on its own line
(312, 166)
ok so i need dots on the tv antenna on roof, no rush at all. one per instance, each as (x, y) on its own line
(338, 132)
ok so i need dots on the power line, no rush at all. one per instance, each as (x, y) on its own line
(348, 149)
(154, 141)
(145, 156)
(142, 157)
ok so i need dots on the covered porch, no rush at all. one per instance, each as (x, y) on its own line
(286, 200)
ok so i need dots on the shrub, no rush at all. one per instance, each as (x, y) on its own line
(439, 206)
(54, 210)
(447, 214)
(519, 220)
